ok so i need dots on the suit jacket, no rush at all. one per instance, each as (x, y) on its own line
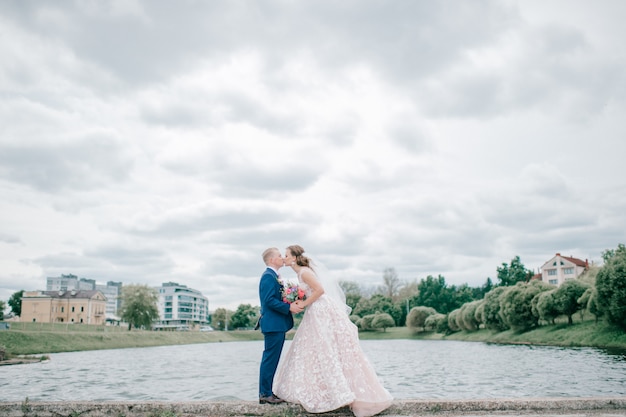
(275, 314)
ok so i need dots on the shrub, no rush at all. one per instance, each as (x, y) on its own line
(479, 314)
(587, 301)
(544, 306)
(611, 287)
(436, 322)
(491, 311)
(452, 320)
(567, 295)
(417, 317)
(467, 317)
(516, 304)
(366, 322)
(382, 321)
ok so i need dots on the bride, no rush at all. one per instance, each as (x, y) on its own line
(325, 368)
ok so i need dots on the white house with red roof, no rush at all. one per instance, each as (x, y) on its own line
(562, 268)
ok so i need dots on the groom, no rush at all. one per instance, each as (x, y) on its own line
(275, 321)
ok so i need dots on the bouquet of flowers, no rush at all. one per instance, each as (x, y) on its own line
(291, 292)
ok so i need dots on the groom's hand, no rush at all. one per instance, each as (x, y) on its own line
(295, 308)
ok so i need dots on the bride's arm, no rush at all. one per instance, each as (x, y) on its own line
(316, 288)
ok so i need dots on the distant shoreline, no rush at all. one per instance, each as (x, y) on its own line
(37, 341)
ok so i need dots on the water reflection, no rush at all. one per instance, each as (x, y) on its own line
(229, 371)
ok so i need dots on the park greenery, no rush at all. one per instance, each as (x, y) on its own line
(139, 306)
(515, 306)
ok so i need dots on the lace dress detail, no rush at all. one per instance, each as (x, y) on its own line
(325, 368)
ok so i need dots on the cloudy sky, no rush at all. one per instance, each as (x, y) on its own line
(154, 141)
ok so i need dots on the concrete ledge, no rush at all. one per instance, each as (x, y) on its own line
(609, 406)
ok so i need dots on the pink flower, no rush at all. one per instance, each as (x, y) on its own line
(291, 292)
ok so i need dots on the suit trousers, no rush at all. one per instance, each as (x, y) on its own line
(274, 342)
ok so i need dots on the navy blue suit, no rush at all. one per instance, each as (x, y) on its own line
(276, 320)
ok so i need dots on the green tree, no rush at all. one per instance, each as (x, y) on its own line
(567, 295)
(610, 253)
(417, 317)
(453, 323)
(245, 316)
(486, 287)
(611, 287)
(491, 310)
(516, 304)
(222, 319)
(545, 307)
(2, 307)
(378, 303)
(585, 299)
(366, 322)
(434, 292)
(139, 306)
(479, 314)
(15, 302)
(592, 303)
(509, 275)
(461, 295)
(437, 322)
(467, 315)
(478, 293)
(382, 321)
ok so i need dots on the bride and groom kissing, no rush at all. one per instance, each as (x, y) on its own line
(324, 368)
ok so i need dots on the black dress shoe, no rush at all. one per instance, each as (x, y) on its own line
(272, 399)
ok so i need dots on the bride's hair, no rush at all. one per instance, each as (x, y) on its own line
(298, 252)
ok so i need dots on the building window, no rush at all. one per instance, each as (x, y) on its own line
(82, 309)
(72, 309)
(568, 271)
(554, 281)
(551, 271)
(62, 309)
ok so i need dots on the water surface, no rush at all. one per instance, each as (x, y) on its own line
(409, 369)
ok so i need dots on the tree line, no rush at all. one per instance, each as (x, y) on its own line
(523, 305)
(514, 301)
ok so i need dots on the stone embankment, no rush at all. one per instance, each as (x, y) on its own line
(547, 407)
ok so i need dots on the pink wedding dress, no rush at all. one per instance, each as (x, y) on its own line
(325, 368)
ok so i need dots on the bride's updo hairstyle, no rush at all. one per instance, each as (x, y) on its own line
(298, 252)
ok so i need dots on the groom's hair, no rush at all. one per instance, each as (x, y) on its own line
(268, 253)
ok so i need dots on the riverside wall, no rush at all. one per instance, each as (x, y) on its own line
(605, 407)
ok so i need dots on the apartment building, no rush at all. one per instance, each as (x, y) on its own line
(181, 308)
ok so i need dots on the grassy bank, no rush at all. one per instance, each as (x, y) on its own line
(84, 337)
(31, 340)
(586, 333)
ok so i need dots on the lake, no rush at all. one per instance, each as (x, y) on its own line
(409, 369)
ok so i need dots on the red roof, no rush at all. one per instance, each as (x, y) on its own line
(576, 261)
